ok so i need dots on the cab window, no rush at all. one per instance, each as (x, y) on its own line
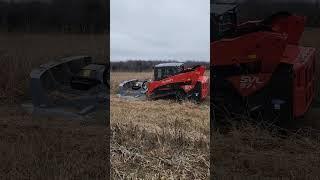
(164, 72)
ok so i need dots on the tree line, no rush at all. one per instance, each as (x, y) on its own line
(141, 65)
(77, 16)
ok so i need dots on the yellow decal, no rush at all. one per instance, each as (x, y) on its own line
(86, 73)
(252, 56)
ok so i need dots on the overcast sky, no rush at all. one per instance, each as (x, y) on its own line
(162, 29)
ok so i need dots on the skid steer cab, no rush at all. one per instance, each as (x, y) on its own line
(223, 20)
(173, 79)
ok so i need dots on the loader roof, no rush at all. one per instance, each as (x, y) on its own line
(94, 67)
(168, 65)
(221, 8)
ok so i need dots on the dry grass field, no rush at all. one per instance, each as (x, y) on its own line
(157, 139)
(142, 144)
(42, 148)
(150, 139)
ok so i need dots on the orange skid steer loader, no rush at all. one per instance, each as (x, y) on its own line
(259, 68)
